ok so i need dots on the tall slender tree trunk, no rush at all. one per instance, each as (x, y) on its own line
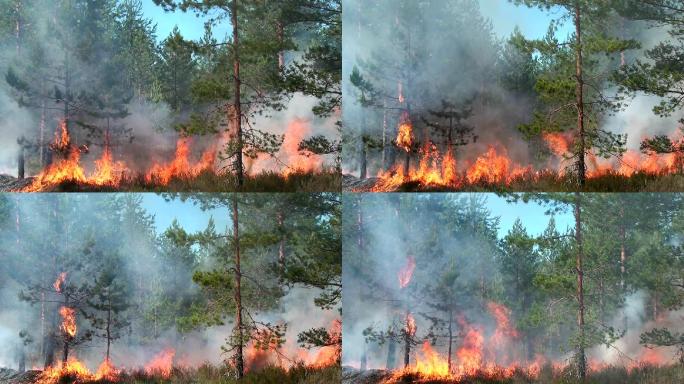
(451, 337)
(581, 356)
(280, 35)
(407, 347)
(20, 160)
(67, 338)
(384, 135)
(579, 95)
(280, 218)
(109, 324)
(363, 172)
(391, 354)
(239, 358)
(17, 27)
(237, 83)
(41, 132)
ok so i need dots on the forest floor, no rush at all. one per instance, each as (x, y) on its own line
(643, 375)
(548, 182)
(324, 181)
(205, 374)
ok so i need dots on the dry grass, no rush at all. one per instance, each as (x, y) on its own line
(323, 181)
(208, 374)
(643, 375)
(552, 182)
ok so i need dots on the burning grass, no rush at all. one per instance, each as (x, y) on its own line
(208, 181)
(645, 374)
(184, 172)
(298, 374)
(542, 181)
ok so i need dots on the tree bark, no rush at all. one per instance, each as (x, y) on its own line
(280, 35)
(363, 173)
(237, 107)
(581, 357)
(579, 95)
(239, 358)
(20, 161)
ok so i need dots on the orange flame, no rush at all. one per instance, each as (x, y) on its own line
(59, 282)
(431, 364)
(405, 132)
(406, 272)
(558, 142)
(68, 325)
(180, 166)
(411, 326)
(161, 364)
(107, 371)
(489, 168)
(68, 168)
(73, 368)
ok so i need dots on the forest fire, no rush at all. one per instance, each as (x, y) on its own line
(495, 167)
(68, 321)
(405, 133)
(487, 353)
(161, 364)
(67, 165)
(180, 166)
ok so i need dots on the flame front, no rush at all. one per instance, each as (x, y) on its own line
(436, 166)
(161, 364)
(107, 371)
(181, 167)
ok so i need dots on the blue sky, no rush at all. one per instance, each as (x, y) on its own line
(533, 216)
(190, 25)
(191, 217)
(504, 15)
(532, 22)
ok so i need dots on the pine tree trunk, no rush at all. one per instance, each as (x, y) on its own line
(281, 244)
(579, 95)
(20, 161)
(451, 338)
(407, 349)
(41, 133)
(239, 358)
(364, 358)
(237, 107)
(280, 35)
(67, 338)
(581, 357)
(109, 323)
(384, 135)
(391, 354)
(363, 173)
(17, 28)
